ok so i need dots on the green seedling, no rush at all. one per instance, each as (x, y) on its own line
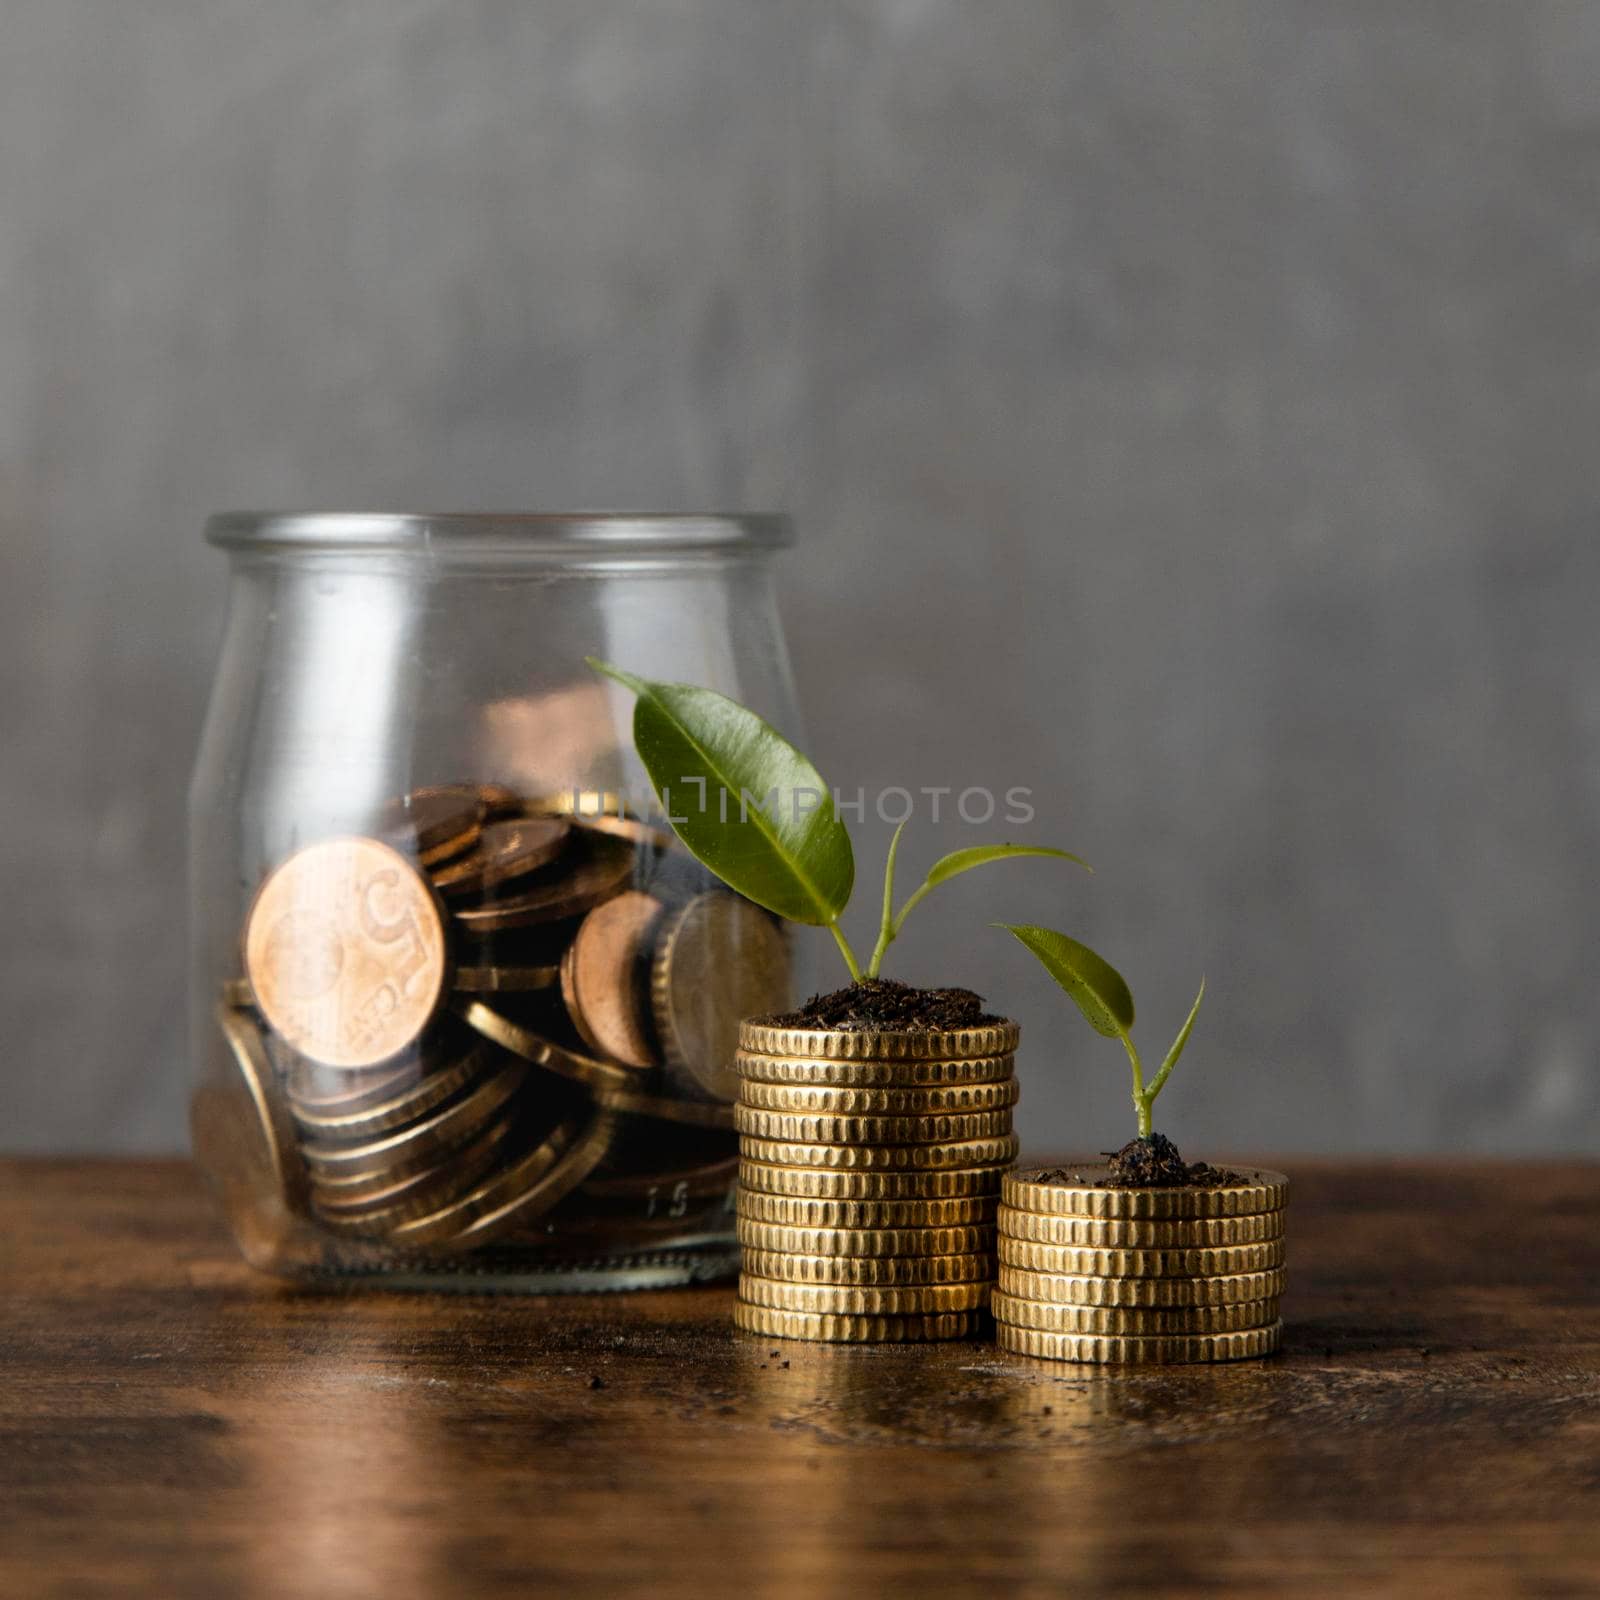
(1106, 1001)
(757, 813)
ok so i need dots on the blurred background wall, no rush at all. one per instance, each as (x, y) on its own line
(1190, 412)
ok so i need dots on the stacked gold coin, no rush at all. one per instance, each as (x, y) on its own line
(869, 1174)
(1142, 1276)
(488, 1019)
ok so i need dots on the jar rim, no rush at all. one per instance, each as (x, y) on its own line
(429, 532)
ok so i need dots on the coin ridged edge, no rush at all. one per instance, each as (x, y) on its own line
(996, 1152)
(791, 1267)
(806, 1127)
(958, 1240)
(1265, 1191)
(829, 1183)
(844, 1100)
(1088, 1261)
(1120, 1233)
(1155, 1293)
(827, 1328)
(813, 1211)
(863, 1300)
(754, 1067)
(1157, 1350)
(1056, 1316)
(840, 1044)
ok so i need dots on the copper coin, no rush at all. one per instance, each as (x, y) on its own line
(499, 800)
(345, 948)
(601, 980)
(523, 1041)
(423, 1143)
(719, 960)
(599, 867)
(243, 1138)
(631, 829)
(504, 851)
(429, 820)
(410, 1102)
(516, 1194)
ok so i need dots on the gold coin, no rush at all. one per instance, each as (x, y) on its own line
(422, 1143)
(594, 869)
(998, 1152)
(802, 1099)
(815, 1326)
(516, 1194)
(1085, 1261)
(1028, 1190)
(846, 1044)
(243, 1138)
(665, 1108)
(957, 1241)
(541, 1052)
(414, 1099)
(504, 852)
(1114, 1233)
(427, 821)
(327, 1091)
(1170, 1350)
(1135, 1321)
(792, 1268)
(506, 980)
(345, 950)
(718, 959)
(799, 1211)
(863, 1300)
(1231, 1290)
(414, 1196)
(449, 849)
(821, 1183)
(601, 978)
(937, 1128)
(754, 1068)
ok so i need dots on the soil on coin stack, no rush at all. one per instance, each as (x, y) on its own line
(1150, 1162)
(881, 1003)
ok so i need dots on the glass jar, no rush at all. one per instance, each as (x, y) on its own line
(464, 1011)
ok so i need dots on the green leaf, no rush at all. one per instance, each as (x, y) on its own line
(1178, 1044)
(743, 800)
(980, 855)
(1097, 987)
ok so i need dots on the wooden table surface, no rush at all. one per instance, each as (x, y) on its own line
(176, 1425)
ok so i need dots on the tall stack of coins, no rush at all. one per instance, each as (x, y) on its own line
(869, 1175)
(488, 1021)
(1141, 1276)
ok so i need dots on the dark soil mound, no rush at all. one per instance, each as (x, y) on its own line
(883, 1003)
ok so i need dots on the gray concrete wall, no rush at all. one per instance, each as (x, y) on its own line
(1190, 412)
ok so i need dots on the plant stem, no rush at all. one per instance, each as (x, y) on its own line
(845, 950)
(886, 929)
(1141, 1101)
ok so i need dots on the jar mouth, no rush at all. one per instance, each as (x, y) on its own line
(440, 533)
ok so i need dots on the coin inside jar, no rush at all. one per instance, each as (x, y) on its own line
(504, 852)
(345, 951)
(720, 959)
(602, 980)
(595, 869)
(434, 822)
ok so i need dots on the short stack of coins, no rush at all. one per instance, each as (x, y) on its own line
(1139, 1276)
(489, 1019)
(869, 1176)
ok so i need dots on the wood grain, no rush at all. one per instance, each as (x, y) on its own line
(175, 1425)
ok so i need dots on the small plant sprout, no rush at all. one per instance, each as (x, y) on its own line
(1105, 1000)
(757, 814)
